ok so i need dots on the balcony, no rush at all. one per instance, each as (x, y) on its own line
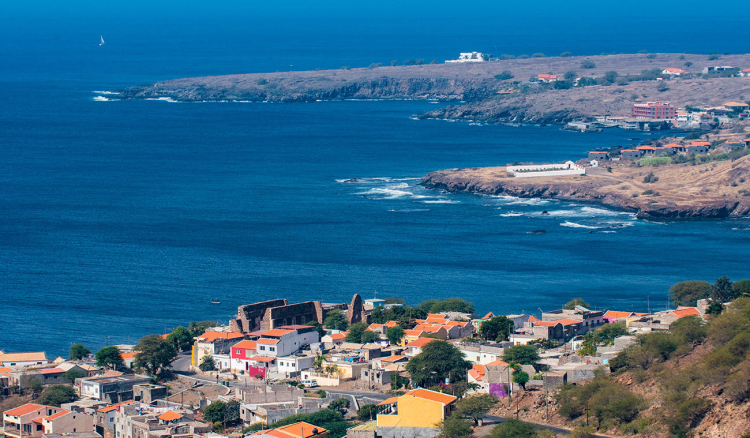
(15, 432)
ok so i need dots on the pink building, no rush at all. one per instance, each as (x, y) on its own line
(33, 420)
(654, 110)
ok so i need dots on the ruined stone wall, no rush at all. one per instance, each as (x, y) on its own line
(250, 316)
(356, 311)
(292, 314)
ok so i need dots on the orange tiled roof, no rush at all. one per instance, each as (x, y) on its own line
(51, 371)
(617, 314)
(246, 345)
(747, 70)
(673, 145)
(533, 318)
(301, 429)
(413, 333)
(645, 148)
(477, 372)
(131, 355)
(170, 416)
(337, 336)
(497, 363)
(57, 415)
(488, 316)
(268, 341)
(421, 342)
(685, 311)
(426, 394)
(390, 324)
(262, 359)
(564, 321)
(115, 406)
(277, 332)
(700, 143)
(388, 401)
(674, 70)
(25, 409)
(746, 139)
(394, 358)
(212, 336)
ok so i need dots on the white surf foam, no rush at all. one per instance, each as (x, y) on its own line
(511, 214)
(105, 92)
(441, 201)
(165, 99)
(104, 99)
(389, 193)
(577, 225)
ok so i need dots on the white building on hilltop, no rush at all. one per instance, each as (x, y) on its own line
(468, 57)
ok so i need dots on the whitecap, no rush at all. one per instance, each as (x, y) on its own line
(511, 214)
(106, 92)
(164, 99)
(441, 201)
(101, 99)
(577, 225)
(386, 193)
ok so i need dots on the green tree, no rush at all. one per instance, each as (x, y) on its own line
(207, 363)
(393, 300)
(214, 412)
(447, 305)
(565, 54)
(394, 334)
(576, 302)
(73, 374)
(689, 329)
(475, 407)
(497, 328)
(523, 354)
(714, 308)
(335, 320)
(521, 378)
(504, 76)
(512, 428)
(454, 427)
(181, 338)
(437, 361)
(34, 385)
(78, 352)
(339, 404)
(318, 362)
(741, 288)
(611, 76)
(355, 332)
(319, 327)
(570, 76)
(369, 336)
(56, 395)
(588, 64)
(109, 357)
(722, 290)
(232, 411)
(603, 336)
(687, 293)
(368, 412)
(198, 328)
(154, 355)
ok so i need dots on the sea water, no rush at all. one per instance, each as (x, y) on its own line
(124, 218)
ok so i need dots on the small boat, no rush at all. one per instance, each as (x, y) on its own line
(101, 38)
(215, 301)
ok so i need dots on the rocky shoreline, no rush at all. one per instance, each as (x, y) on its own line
(602, 190)
(487, 92)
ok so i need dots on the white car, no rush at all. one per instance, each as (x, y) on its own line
(309, 384)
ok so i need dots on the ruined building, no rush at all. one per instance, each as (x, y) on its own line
(267, 315)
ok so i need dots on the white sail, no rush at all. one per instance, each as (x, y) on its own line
(102, 39)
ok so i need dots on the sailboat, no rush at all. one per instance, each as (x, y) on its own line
(102, 40)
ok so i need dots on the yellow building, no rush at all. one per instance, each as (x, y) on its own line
(416, 408)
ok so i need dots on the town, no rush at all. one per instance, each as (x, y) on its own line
(365, 369)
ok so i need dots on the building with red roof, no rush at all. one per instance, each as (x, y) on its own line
(34, 420)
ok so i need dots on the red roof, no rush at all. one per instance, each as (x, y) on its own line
(700, 143)
(212, 336)
(564, 322)
(51, 371)
(616, 314)
(477, 372)
(533, 318)
(747, 70)
(128, 355)
(337, 336)
(25, 409)
(394, 358)
(497, 363)
(113, 407)
(262, 359)
(426, 394)
(685, 311)
(421, 342)
(57, 415)
(246, 345)
(277, 333)
(170, 416)
(301, 430)
(643, 148)
(268, 341)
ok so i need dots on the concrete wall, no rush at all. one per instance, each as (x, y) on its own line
(408, 432)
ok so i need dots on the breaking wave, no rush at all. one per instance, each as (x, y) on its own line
(577, 225)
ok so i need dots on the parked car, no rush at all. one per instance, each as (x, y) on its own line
(309, 384)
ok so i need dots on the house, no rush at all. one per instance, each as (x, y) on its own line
(45, 376)
(672, 71)
(33, 420)
(560, 330)
(113, 389)
(411, 336)
(259, 367)
(698, 147)
(716, 69)
(437, 331)
(241, 352)
(414, 348)
(630, 154)
(747, 142)
(468, 57)
(546, 78)
(664, 319)
(140, 420)
(745, 72)
(372, 377)
(334, 339)
(291, 366)
(20, 360)
(383, 362)
(599, 155)
(675, 147)
(616, 316)
(286, 340)
(646, 150)
(211, 343)
(105, 417)
(415, 414)
(659, 110)
(294, 430)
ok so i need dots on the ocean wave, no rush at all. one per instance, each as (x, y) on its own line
(387, 193)
(589, 212)
(441, 201)
(514, 200)
(105, 92)
(511, 214)
(408, 210)
(164, 99)
(577, 225)
(375, 180)
(104, 99)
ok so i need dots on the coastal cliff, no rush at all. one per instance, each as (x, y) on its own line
(682, 192)
(489, 92)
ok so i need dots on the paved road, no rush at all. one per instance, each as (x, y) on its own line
(493, 420)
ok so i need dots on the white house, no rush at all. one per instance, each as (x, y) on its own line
(20, 360)
(291, 366)
(468, 57)
(540, 170)
(285, 341)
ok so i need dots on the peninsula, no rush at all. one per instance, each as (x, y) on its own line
(684, 191)
(540, 90)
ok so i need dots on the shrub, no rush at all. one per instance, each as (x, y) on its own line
(513, 428)
(538, 55)
(504, 76)
(650, 178)
(565, 54)
(588, 64)
(262, 82)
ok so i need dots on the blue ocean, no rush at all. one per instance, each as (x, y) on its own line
(124, 218)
